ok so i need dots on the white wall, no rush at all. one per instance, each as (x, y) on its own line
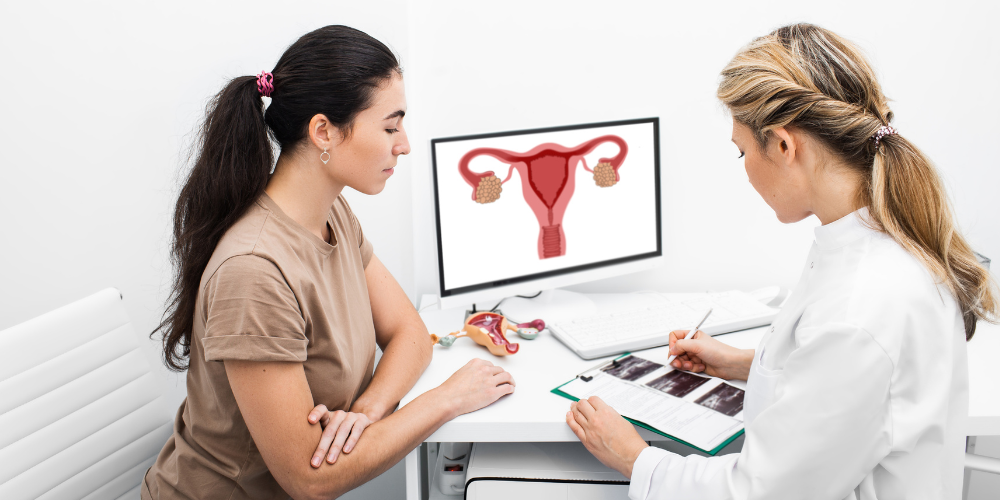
(517, 65)
(100, 101)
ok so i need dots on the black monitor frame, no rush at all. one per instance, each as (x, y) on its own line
(555, 272)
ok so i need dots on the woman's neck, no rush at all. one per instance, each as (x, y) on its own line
(834, 190)
(305, 192)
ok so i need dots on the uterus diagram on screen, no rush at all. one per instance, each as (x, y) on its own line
(547, 182)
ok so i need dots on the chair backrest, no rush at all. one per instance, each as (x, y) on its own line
(81, 414)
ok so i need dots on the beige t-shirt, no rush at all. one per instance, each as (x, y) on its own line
(272, 291)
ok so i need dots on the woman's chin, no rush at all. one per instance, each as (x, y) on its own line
(786, 218)
(372, 188)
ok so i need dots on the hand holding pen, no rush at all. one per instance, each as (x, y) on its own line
(702, 353)
(689, 334)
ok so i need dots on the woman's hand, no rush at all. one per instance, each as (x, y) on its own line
(341, 431)
(702, 353)
(604, 433)
(476, 385)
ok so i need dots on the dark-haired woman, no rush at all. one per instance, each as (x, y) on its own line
(859, 390)
(279, 300)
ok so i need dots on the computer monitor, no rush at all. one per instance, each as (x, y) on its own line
(529, 210)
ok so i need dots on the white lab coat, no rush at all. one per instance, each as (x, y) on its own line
(858, 390)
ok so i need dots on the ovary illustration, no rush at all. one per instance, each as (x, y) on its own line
(547, 180)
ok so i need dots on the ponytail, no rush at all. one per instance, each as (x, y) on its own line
(333, 71)
(807, 77)
(907, 201)
(230, 172)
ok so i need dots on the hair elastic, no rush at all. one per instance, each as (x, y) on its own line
(264, 85)
(883, 131)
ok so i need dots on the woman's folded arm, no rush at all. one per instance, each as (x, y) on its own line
(274, 398)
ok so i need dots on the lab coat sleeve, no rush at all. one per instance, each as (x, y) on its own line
(642, 471)
(828, 427)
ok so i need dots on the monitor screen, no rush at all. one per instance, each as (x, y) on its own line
(524, 205)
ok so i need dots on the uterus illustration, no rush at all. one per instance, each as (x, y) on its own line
(547, 181)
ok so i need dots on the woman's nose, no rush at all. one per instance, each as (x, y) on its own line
(403, 146)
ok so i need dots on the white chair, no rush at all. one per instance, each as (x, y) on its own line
(975, 462)
(81, 414)
(981, 463)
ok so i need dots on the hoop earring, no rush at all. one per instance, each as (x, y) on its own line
(327, 156)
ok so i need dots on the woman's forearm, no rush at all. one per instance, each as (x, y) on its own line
(477, 384)
(383, 444)
(274, 399)
(742, 363)
(406, 344)
(405, 358)
(746, 360)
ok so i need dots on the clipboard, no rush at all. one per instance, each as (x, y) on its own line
(559, 392)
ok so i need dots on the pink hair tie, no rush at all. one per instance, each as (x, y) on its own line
(265, 87)
(883, 131)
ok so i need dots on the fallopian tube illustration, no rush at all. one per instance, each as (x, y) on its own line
(547, 181)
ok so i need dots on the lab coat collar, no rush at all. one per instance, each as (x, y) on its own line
(843, 231)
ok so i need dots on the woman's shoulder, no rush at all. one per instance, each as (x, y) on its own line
(240, 239)
(897, 299)
(889, 271)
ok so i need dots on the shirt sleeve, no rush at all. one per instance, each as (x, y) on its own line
(251, 314)
(829, 427)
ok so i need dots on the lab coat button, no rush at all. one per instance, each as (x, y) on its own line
(811, 265)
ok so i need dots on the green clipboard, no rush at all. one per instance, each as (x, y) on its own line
(558, 391)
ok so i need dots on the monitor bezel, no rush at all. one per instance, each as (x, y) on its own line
(555, 272)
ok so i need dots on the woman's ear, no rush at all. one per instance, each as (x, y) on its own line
(323, 134)
(786, 145)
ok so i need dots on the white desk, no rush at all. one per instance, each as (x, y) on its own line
(533, 414)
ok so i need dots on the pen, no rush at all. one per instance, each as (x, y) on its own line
(587, 378)
(690, 334)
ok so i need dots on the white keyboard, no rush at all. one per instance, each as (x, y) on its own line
(650, 326)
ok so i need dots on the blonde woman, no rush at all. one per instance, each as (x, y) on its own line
(860, 387)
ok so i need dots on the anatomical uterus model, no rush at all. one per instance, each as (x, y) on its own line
(547, 181)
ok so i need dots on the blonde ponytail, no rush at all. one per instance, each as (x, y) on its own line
(807, 77)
